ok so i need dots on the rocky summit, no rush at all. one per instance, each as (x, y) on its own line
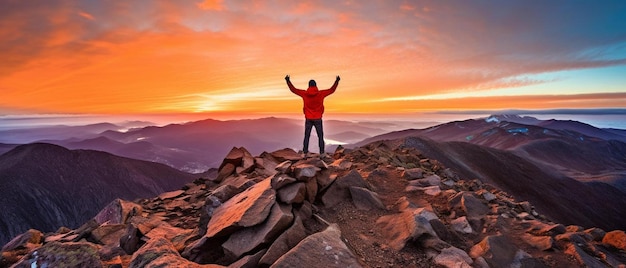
(374, 206)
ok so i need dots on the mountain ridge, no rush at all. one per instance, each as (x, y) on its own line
(383, 204)
(40, 182)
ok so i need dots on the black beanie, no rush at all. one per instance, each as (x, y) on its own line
(312, 83)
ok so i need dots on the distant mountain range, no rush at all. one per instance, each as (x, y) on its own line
(46, 186)
(196, 146)
(570, 148)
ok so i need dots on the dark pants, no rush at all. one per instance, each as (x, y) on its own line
(308, 124)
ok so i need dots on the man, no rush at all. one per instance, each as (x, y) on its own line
(313, 109)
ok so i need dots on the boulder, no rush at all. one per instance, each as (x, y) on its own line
(406, 226)
(286, 241)
(248, 261)
(341, 164)
(118, 212)
(286, 154)
(498, 251)
(616, 239)
(365, 199)
(413, 173)
(280, 180)
(596, 233)
(246, 240)
(225, 192)
(56, 254)
(339, 191)
(246, 209)
(226, 170)
(453, 257)
(465, 203)
(323, 249)
(283, 167)
(24, 241)
(108, 234)
(247, 163)
(159, 252)
(461, 225)
(292, 193)
(539, 242)
(304, 172)
(130, 240)
(311, 189)
(234, 157)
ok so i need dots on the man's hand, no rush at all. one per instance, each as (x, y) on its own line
(287, 78)
(338, 78)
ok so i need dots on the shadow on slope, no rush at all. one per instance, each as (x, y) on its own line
(45, 186)
(564, 199)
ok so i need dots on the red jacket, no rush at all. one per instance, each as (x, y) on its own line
(313, 99)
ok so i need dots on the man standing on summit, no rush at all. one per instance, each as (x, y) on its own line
(313, 99)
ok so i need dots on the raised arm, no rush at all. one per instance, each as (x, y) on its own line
(292, 88)
(332, 89)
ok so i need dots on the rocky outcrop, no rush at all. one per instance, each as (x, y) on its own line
(374, 206)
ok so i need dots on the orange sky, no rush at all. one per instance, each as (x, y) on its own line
(232, 56)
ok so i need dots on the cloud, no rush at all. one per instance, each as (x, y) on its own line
(122, 51)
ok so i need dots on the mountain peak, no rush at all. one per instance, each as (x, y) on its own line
(383, 204)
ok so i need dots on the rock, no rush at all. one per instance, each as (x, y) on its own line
(159, 252)
(24, 241)
(108, 234)
(249, 261)
(408, 225)
(311, 189)
(246, 209)
(286, 241)
(552, 230)
(283, 167)
(461, 225)
(118, 212)
(280, 180)
(323, 249)
(292, 193)
(211, 203)
(225, 171)
(539, 242)
(596, 233)
(266, 164)
(225, 192)
(130, 240)
(429, 190)
(325, 178)
(245, 240)
(413, 173)
(234, 157)
(341, 164)
(525, 206)
(70, 254)
(616, 239)
(304, 172)
(286, 154)
(488, 196)
(339, 191)
(574, 229)
(432, 180)
(453, 257)
(583, 257)
(172, 194)
(247, 162)
(365, 199)
(465, 203)
(497, 250)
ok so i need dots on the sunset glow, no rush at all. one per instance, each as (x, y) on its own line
(230, 57)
